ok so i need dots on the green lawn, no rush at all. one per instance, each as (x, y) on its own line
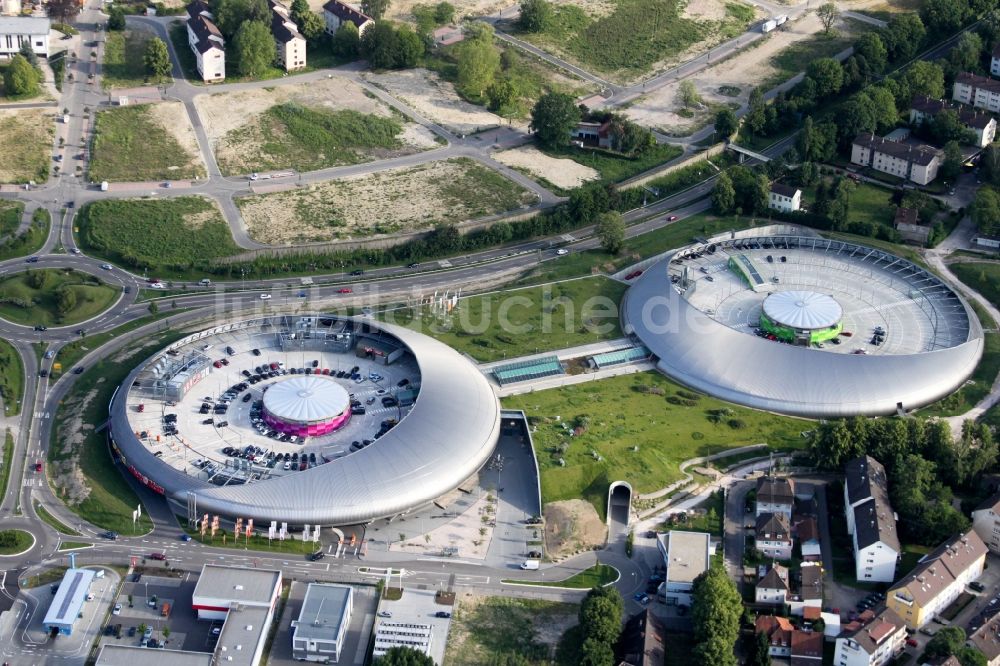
(156, 234)
(8, 461)
(635, 35)
(130, 144)
(512, 323)
(615, 167)
(911, 556)
(11, 379)
(708, 518)
(14, 541)
(497, 628)
(981, 276)
(642, 427)
(73, 545)
(107, 499)
(54, 522)
(10, 216)
(30, 241)
(123, 65)
(71, 353)
(596, 576)
(224, 539)
(977, 386)
(53, 297)
(796, 57)
(291, 136)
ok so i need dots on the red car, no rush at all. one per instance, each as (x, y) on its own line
(157, 556)
(633, 275)
(345, 290)
(38, 466)
(671, 218)
(217, 364)
(911, 642)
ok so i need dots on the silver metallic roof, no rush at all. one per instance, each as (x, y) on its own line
(707, 355)
(803, 309)
(448, 435)
(306, 399)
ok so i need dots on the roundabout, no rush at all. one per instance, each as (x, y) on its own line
(15, 542)
(54, 297)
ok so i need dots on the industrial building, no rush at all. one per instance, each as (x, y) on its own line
(68, 601)
(220, 589)
(318, 633)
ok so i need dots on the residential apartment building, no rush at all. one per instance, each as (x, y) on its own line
(773, 587)
(938, 579)
(775, 495)
(686, 555)
(917, 162)
(289, 43)
(981, 92)
(809, 595)
(986, 523)
(804, 648)
(807, 648)
(986, 639)
(15, 30)
(785, 198)
(984, 126)
(336, 13)
(206, 43)
(774, 536)
(870, 520)
(871, 640)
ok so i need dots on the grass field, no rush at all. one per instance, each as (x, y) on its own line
(259, 543)
(614, 167)
(635, 35)
(291, 136)
(596, 576)
(981, 276)
(54, 522)
(155, 234)
(53, 297)
(123, 65)
(8, 460)
(11, 379)
(80, 467)
(708, 518)
(493, 629)
(73, 545)
(14, 541)
(25, 142)
(637, 427)
(30, 241)
(796, 57)
(976, 387)
(10, 216)
(514, 323)
(869, 203)
(131, 144)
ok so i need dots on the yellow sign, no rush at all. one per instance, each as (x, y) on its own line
(57, 367)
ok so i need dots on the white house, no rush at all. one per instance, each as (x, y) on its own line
(774, 536)
(807, 532)
(870, 521)
(773, 587)
(14, 30)
(336, 13)
(982, 125)
(986, 523)
(206, 42)
(980, 91)
(872, 640)
(289, 43)
(918, 162)
(686, 555)
(784, 198)
(318, 634)
(775, 495)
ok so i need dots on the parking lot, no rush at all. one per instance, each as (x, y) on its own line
(356, 642)
(419, 607)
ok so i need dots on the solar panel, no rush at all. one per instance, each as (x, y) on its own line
(68, 599)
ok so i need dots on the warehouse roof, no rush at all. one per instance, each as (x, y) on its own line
(237, 584)
(72, 592)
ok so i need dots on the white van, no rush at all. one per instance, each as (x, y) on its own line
(530, 565)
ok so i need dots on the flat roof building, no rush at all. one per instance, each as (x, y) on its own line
(318, 634)
(130, 655)
(243, 636)
(220, 589)
(686, 556)
(68, 601)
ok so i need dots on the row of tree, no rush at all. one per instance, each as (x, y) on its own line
(715, 615)
(600, 626)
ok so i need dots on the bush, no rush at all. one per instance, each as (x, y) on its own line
(737, 424)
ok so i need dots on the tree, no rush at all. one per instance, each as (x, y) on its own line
(116, 18)
(715, 614)
(945, 643)
(299, 8)
(375, 8)
(756, 117)
(828, 75)
(828, 14)
(379, 45)
(986, 212)
(157, 59)
(20, 78)
(254, 48)
(611, 230)
(552, 118)
(951, 167)
(808, 174)
(404, 656)
(166, 632)
(989, 165)
(505, 97)
(871, 47)
(761, 655)
(444, 13)
(153, 307)
(596, 653)
(723, 195)
(409, 47)
(884, 110)
(903, 35)
(478, 63)
(970, 656)
(65, 300)
(725, 123)
(689, 94)
(536, 15)
(946, 126)
(66, 10)
(312, 27)
(346, 41)
(967, 51)
(943, 17)
(925, 78)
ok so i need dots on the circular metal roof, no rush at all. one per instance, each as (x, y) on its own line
(803, 309)
(306, 399)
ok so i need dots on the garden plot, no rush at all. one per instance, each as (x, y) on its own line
(25, 139)
(387, 202)
(252, 130)
(563, 173)
(435, 99)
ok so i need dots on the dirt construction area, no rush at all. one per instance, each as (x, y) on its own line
(563, 173)
(386, 202)
(660, 108)
(572, 526)
(232, 119)
(436, 100)
(25, 139)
